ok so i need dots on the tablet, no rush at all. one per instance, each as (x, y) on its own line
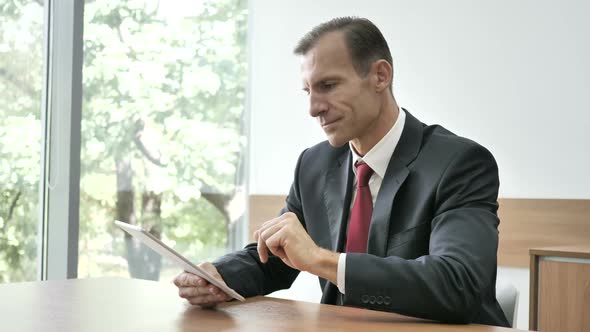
(162, 249)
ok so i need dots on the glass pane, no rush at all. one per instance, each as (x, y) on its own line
(21, 82)
(162, 131)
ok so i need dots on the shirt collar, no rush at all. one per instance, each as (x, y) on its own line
(379, 156)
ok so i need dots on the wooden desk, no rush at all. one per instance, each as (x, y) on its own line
(138, 305)
(560, 288)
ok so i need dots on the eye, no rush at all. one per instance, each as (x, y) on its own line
(327, 86)
(306, 90)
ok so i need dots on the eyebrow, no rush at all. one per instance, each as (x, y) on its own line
(323, 79)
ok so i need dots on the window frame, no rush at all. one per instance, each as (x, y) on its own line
(61, 118)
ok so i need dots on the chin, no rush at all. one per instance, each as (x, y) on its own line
(336, 142)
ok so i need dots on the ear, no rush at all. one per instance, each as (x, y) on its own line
(383, 74)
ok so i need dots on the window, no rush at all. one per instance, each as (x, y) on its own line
(21, 84)
(163, 135)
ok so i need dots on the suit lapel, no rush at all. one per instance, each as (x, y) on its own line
(397, 171)
(337, 197)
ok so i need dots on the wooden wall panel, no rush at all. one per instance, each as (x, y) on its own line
(530, 223)
(263, 208)
(524, 224)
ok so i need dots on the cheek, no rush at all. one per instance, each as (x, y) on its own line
(361, 106)
(369, 104)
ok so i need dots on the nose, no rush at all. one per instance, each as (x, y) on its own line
(317, 105)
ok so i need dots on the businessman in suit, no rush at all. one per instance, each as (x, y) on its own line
(391, 214)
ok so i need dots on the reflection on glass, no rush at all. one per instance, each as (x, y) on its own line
(21, 81)
(162, 134)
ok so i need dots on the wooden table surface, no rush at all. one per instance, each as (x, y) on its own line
(117, 304)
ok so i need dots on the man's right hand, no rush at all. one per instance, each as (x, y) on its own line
(198, 291)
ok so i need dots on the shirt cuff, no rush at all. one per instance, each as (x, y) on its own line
(341, 273)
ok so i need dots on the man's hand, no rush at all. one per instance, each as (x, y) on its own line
(198, 291)
(285, 237)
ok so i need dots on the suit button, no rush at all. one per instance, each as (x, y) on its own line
(365, 298)
(379, 299)
(387, 300)
(372, 299)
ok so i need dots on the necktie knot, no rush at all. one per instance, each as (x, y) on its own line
(363, 174)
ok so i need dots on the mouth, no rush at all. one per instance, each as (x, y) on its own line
(330, 124)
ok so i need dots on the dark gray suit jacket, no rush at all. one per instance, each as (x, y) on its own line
(433, 236)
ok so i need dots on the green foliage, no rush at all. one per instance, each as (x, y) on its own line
(164, 91)
(21, 30)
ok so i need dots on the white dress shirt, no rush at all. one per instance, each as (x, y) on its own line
(378, 159)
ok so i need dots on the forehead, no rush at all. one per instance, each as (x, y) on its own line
(328, 57)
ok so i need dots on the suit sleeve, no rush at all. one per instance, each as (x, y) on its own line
(448, 283)
(245, 273)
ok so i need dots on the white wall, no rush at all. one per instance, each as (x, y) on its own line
(512, 75)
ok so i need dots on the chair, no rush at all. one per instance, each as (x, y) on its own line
(507, 296)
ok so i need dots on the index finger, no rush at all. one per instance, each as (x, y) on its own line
(270, 223)
(262, 249)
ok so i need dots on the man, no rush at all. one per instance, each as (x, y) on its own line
(389, 213)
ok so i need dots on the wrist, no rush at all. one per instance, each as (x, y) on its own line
(325, 265)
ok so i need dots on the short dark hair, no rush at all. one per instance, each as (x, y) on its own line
(365, 42)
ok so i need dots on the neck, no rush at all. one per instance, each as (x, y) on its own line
(379, 128)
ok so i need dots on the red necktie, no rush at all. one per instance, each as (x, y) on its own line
(360, 216)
